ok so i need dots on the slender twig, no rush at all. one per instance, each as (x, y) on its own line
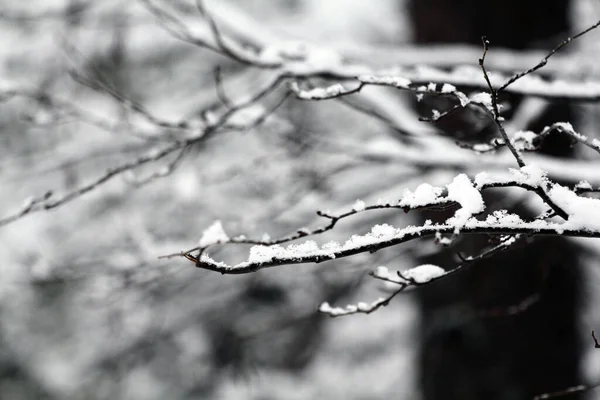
(46, 203)
(163, 171)
(361, 308)
(495, 110)
(221, 95)
(376, 115)
(512, 310)
(573, 389)
(176, 28)
(100, 87)
(596, 344)
(495, 115)
(544, 60)
(228, 49)
(567, 391)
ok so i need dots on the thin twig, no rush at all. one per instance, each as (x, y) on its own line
(496, 112)
(229, 50)
(361, 308)
(567, 391)
(221, 95)
(596, 344)
(544, 60)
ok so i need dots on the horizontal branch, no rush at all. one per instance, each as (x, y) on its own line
(299, 254)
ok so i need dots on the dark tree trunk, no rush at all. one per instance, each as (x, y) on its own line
(470, 348)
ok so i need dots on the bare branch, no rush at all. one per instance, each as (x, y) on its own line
(223, 46)
(573, 389)
(228, 48)
(596, 344)
(512, 310)
(544, 60)
(495, 112)
(531, 141)
(46, 202)
(221, 95)
(566, 392)
(163, 171)
(215, 125)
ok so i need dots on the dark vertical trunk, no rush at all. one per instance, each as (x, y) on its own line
(471, 348)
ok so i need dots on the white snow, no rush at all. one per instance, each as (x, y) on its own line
(317, 93)
(214, 234)
(448, 88)
(482, 147)
(584, 212)
(463, 192)
(523, 140)
(502, 217)
(247, 116)
(424, 194)
(466, 75)
(482, 179)
(566, 126)
(325, 307)
(444, 241)
(464, 100)
(381, 272)
(359, 205)
(337, 311)
(583, 185)
(423, 273)
(261, 254)
(396, 81)
(531, 175)
(483, 98)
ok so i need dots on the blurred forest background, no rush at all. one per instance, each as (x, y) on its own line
(88, 311)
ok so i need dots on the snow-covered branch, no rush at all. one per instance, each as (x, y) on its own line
(582, 219)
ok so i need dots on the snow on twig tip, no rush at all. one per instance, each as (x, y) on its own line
(214, 234)
(422, 273)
